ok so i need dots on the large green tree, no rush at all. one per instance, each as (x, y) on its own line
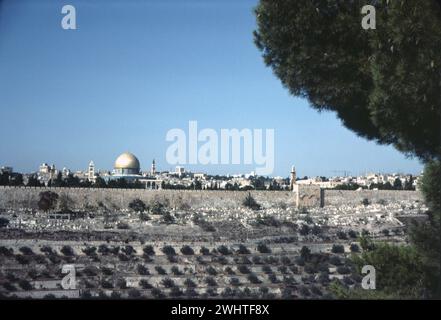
(383, 83)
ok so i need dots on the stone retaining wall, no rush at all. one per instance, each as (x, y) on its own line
(83, 198)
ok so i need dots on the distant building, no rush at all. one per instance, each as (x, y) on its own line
(127, 167)
(6, 169)
(180, 171)
(91, 172)
(153, 168)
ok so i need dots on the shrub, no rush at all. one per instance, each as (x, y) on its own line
(168, 283)
(204, 251)
(342, 235)
(253, 279)
(187, 250)
(90, 271)
(106, 284)
(169, 250)
(26, 251)
(352, 234)
(323, 278)
(157, 293)
(283, 269)
(172, 259)
(300, 261)
(142, 270)
(211, 271)
(211, 292)
(310, 269)
(160, 270)
(294, 269)
(316, 230)
(343, 270)
(122, 226)
(89, 251)
(54, 259)
(243, 249)
(355, 247)
(289, 281)
(115, 295)
(137, 205)
(156, 207)
(229, 271)
(365, 202)
(3, 222)
(121, 283)
(203, 224)
(263, 248)
(335, 261)
(224, 250)
(210, 281)
(257, 260)
(22, 259)
(244, 269)
(175, 270)
(103, 249)
(107, 271)
(148, 250)
(123, 257)
(128, 250)
(269, 221)
(316, 291)
(273, 278)
(201, 260)
(145, 284)
(134, 293)
(234, 282)
(33, 274)
(6, 252)
(25, 285)
(249, 202)
(190, 283)
(67, 251)
(305, 253)
(168, 218)
(304, 291)
(338, 248)
(285, 260)
(222, 260)
(304, 230)
(176, 292)
(267, 269)
(191, 293)
(9, 286)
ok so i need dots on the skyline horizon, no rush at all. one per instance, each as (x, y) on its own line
(188, 169)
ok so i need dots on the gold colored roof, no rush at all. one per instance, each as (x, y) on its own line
(127, 161)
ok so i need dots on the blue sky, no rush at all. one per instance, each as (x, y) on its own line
(135, 69)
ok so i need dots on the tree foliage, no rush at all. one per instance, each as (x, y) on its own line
(384, 84)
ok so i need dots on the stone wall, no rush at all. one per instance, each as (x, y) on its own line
(83, 198)
(309, 196)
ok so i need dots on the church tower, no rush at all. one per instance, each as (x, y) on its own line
(91, 172)
(153, 169)
(292, 178)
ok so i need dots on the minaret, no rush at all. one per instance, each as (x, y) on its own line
(292, 178)
(91, 172)
(153, 169)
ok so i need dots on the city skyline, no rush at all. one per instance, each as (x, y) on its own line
(129, 74)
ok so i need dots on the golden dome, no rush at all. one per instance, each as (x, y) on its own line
(127, 161)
